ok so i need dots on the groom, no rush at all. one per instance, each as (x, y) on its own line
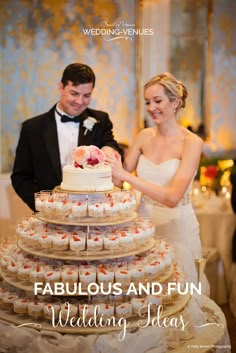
(46, 141)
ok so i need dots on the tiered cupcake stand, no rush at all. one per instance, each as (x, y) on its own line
(169, 308)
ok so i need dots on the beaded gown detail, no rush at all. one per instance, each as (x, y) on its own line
(178, 225)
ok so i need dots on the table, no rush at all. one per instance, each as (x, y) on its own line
(217, 224)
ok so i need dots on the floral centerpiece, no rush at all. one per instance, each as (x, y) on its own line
(87, 156)
(215, 172)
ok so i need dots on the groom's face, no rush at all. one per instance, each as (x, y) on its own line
(75, 99)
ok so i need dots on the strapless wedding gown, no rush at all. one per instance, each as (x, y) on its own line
(178, 225)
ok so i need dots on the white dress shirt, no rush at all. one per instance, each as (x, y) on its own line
(67, 137)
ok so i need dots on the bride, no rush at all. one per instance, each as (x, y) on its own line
(166, 158)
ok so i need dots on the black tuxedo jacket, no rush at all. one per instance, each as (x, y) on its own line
(37, 163)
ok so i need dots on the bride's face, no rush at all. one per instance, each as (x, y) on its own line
(158, 105)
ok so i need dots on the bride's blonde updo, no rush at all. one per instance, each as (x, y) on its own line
(174, 89)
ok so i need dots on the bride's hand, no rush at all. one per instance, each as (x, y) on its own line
(116, 165)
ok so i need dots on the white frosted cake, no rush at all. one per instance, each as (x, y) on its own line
(88, 173)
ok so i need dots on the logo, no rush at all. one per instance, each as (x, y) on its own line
(113, 31)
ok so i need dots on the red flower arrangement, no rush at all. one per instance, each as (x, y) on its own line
(213, 175)
(211, 171)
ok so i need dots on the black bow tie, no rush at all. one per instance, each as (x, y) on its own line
(65, 118)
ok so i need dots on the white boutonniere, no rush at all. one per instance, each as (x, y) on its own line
(89, 123)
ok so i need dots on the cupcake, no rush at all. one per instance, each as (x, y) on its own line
(127, 203)
(96, 208)
(146, 225)
(164, 259)
(79, 208)
(35, 308)
(139, 236)
(95, 242)
(3, 292)
(51, 311)
(111, 208)
(12, 268)
(139, 306)
(37, 274)
(111, 242)
(61, 242)
(106, 311)
(20, 306)
(77, 243)
(87, 275)
(123, 276)
(48, 205)
(31, 238)
(45, 241)
(86, 311)
(8, 300)
(123, 310)
(4, 261)
(39, 202)
(126, 239)
(155, 300)
(23, 272)
(69, 274)
(62, 207)
(69, 310)
(149, 231)
(153, 269)
(137, 275)
(105, 276)
(165, 246)
(52, 276)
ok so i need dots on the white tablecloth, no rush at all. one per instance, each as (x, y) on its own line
(217, 225)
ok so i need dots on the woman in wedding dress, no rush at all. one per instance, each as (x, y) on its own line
(166, 158)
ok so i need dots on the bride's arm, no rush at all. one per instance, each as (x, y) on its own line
(168, 195)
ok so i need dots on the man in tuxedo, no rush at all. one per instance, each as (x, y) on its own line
(46, 141)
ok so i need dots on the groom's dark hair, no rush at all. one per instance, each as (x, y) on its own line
(78, 74)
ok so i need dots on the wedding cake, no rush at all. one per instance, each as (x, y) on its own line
(88, 173)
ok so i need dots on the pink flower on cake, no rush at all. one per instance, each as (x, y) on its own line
(89, 123)
(80, 156)
(96, 154)
(87, 156)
